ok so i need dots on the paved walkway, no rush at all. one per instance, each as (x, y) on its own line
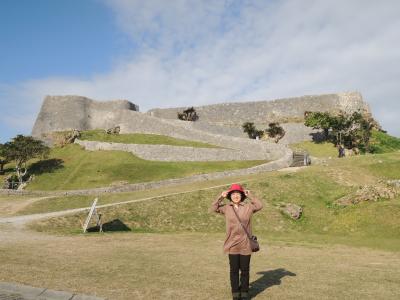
(11, 291)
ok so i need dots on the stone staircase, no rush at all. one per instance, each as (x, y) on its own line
(300, 159)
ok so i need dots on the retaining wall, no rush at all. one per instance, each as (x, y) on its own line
(283, 162)
(173, 153)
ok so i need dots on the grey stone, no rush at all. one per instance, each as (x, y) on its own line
(263, 112)
(84, 297)
(291, 210)
(23, 290)
(369, 193)
(13, 291)
(60, 113)
(394, 182)
(175, 153)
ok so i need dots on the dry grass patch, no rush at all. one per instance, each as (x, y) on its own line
(192, 266)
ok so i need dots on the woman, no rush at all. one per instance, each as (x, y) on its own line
(237, 243)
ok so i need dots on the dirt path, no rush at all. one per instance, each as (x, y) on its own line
(8, 208)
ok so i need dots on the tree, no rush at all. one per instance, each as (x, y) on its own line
(362, 130)
(249, 128)
(319, 120)
(341, 126)
(252, 131)
(275, 131)
(352, 130)
(3, 158)
(189, 114)
(23, 148)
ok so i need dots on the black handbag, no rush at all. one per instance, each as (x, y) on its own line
(255, 246)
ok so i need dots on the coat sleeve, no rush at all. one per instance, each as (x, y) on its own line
(218, 207)
(256, 204)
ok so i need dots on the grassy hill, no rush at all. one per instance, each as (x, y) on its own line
(383, 143)
(380, 142)
(72, 167)
(162, 238)
(139, 138)
(373, 224)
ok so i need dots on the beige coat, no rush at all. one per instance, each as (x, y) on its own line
(236, 241)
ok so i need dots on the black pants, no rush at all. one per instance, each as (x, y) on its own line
(239, 262)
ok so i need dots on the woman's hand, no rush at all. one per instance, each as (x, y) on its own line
(248, 194)
(224, 194)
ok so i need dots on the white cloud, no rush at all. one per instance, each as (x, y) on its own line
(202, 52)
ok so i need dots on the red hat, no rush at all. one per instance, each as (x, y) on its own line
(236, 188)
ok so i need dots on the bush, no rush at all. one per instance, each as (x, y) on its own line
(275, 131)
(252, 131)
(189, 114)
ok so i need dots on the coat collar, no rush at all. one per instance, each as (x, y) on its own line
(240, 203)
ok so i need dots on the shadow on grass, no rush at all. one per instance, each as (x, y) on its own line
(269, 278)
(114, 225)
(46, 166)
(318, 137)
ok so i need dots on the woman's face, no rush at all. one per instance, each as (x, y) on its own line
(236, 197)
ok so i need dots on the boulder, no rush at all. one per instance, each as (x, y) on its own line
(395, 183)
(368, 193)
(64, 137)
(113, 130)
(291, 210)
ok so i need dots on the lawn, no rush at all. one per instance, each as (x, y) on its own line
(139, 138)
(126, 266)
(71, 167)
(373, 224)
(170, 247)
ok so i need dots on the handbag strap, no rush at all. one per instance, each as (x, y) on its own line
(244, 228)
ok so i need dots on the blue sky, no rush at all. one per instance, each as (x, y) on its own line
(159, 53)
(55, 38)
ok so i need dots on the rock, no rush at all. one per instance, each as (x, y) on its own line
(368, 193)
(291, 210)
(394, 183)
(64, 138)
(113, 130)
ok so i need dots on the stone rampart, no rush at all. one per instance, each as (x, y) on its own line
(263, 112)
(59, 113)
(174, 153)
(62, 113)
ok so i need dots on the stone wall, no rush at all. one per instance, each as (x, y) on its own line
(62, 113)
(174, 153)
(280, 163)
(59, 113)
(294, 132)
(263, 112)
(142, 123)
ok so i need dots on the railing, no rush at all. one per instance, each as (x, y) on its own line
(300, 158)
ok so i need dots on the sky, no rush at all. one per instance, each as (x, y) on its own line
(159, 53)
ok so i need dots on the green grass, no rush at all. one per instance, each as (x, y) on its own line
(71, 167)
(138, 138)
(324, 149)
(372, 224)
(382, 142)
